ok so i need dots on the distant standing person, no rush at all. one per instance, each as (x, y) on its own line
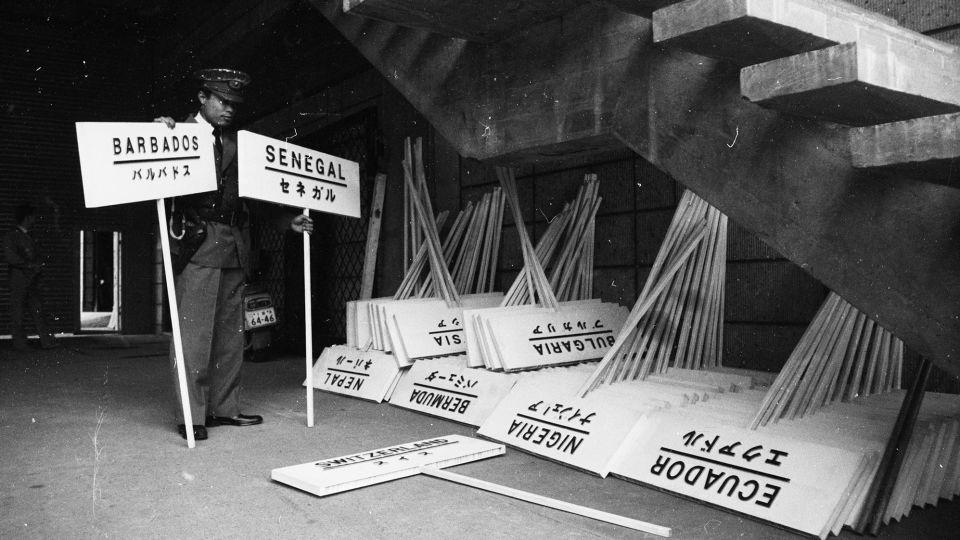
(21, 253)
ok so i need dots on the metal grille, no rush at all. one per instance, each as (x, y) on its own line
(271, 264)
(337, 247)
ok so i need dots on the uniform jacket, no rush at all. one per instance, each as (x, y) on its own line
(223, 217)
(20, 252)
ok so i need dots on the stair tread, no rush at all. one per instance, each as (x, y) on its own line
(753, 31)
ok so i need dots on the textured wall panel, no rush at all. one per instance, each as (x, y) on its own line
(651, 229)
(771, 292)
(654, 188)
(552, 192)
(472, 173)
(763, 347)
(614, 241)
(510, 257)
(616, 183)
(615, 284)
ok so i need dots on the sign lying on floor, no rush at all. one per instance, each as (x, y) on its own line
(794, 483)
(447, 388)
(354, 372)
(546, 418)
(329, 476)
(334, 475)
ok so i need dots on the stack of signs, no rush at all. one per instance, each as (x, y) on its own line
(334, 475)
(358, 322)
(930, 461)
(527, 337)
(447, 388)
(543, 416)
(797, 484)
(354, 372)
(532, 329)
(424, 318)
(811, 473)
(842, 355)
(423, 327)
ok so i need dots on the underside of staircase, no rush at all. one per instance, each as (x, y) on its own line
(829, 131)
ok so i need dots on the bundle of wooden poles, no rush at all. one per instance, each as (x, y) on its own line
(442, 278)
(547, 321)
(470, 248)
(571, 276)
(678, 317)
(842, 355)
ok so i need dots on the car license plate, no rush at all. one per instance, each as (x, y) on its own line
(260, 317)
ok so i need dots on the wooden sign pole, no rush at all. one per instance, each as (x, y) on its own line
(175, 322)
(564, 506)
(308, 322)
(373, 237)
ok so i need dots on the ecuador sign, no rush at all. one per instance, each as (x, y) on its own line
(125, 162)
(284, 173)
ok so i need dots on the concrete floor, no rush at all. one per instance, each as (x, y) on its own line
(89, 449)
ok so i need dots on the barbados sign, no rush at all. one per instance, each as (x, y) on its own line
(126, 162)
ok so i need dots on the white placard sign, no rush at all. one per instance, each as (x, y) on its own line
(545, 337)
(127, 162)
(354, 372)
(545, 417)
(447, 388)
(428, 327)
(329, 476)
(794, 483)
(292, 175)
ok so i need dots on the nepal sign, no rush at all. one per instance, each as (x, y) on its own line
(284, 173)
(354, 372)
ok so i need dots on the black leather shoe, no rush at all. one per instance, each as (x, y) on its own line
(211, 422)
(199, 432)
(239, 420)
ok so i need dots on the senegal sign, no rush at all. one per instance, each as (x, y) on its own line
(284, 173)
(126, 162)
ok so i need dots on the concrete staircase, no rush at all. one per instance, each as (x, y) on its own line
(829, 60)
(827, 130)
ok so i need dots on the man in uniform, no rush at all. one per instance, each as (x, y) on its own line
(213, 258)
(20, 252)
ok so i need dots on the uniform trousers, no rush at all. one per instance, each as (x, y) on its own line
(211, 323)
(25, 295)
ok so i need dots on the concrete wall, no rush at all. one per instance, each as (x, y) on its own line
(53, 78)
